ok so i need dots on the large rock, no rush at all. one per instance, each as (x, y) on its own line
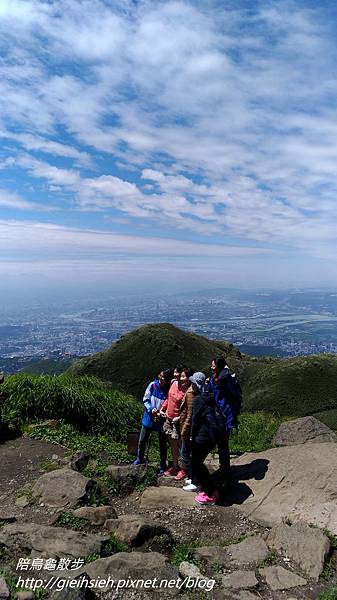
(251, 550)
(127, 476)
(134, 529)
(306, 546)
(240, 580)
(4, 591)
(302, 431)
(96, 515)
(279, 578)
(159, 497)
(212, 555)
(50, 542)
(280, 480)
(132, 565)
(62, 488)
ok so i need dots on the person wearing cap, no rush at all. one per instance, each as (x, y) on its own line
(197, 383)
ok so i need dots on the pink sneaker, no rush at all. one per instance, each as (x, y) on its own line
(202, 498)
(181, 475)
(171, 472)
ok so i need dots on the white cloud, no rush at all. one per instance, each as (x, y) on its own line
(55, 241)
(227, 112)
(15, 201)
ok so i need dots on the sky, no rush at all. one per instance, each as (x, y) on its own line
(157, 146)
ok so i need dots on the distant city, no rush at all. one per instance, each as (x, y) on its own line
(271, 323)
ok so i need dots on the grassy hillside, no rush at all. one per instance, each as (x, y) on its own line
(141, 354)
(293, 386)
(47, 366)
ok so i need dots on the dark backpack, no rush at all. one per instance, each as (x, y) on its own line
(232, 389)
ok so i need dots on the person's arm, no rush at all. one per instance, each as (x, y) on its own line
(189, 397)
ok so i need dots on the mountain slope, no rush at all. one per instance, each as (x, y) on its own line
(141, 354)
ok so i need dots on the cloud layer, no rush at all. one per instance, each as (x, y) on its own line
(209, 121)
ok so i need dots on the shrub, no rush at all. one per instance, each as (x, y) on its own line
(255, 432)
(86, 402)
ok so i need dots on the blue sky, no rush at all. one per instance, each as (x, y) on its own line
(167, 144)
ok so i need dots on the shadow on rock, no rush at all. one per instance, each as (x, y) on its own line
(232, 488)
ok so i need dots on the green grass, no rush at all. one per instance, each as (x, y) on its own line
(70, 521)
(85, 402)
(184, 552)
(329, 595)
(69, 436)
(49, 465)
(270, 559)
(255, 432)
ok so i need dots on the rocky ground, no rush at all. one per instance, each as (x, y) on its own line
(163, 532)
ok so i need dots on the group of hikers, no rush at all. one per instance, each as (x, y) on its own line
(196, 414)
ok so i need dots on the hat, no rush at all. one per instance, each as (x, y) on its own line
(198, 379)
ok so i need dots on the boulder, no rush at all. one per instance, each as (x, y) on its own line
(302, 431)
(279, 578)
(250, 551)
(239, 580)
(50, 542)
(4, 591)
(306, 546)
(79, 461)
(135, 530)
(159, 497)
(132, 565)
(25, 596)
(212, 555)
(62, 488)
(127, 476)
(96, 515)
(281, 480)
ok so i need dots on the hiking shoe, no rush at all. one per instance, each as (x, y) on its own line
(190, 487)
(138, 462)
(171, 472)
(162, 469)
(202, 498)
(181, 475)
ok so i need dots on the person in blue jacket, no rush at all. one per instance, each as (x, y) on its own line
(154, 397)
(226, 411)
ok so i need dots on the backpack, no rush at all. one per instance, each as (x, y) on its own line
(232, 390)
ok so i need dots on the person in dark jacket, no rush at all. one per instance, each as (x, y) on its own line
(205, 432)
(217, 386)
(154, 397)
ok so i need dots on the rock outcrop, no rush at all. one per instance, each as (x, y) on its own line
(280, 481)
(302, 431)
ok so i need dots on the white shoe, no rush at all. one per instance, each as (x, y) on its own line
(188, 481)
(190, 488)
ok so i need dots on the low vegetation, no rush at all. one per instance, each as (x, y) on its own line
(85, 402)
